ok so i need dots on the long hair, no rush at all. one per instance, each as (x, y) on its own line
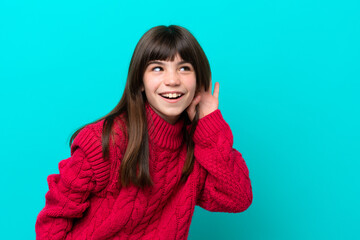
(158, 43)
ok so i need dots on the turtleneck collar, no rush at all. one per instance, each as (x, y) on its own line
(162, 133)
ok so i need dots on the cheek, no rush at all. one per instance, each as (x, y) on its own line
(192, 94)
(191, 86)
(149, 84)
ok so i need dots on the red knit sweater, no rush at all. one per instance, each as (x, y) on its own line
(83, 201)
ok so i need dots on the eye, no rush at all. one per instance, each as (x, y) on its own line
(185, 68)
(157, 69)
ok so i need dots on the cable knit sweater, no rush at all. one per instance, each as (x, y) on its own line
(83, 201)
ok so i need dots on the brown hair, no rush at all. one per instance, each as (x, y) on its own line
(158, 43)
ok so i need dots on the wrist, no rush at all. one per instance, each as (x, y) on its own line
(209, 125)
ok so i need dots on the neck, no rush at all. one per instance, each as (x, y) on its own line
(163, 133)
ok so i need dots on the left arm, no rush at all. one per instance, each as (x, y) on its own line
(227, 186)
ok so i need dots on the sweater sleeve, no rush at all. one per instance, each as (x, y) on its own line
(227, 186)
(68, 193)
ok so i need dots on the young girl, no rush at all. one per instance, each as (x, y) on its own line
(139, 171)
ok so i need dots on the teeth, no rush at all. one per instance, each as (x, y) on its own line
(171, 95)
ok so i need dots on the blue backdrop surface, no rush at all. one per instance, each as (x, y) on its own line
(289, 89)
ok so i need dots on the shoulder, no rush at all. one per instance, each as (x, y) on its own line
(87, 140)
(92, 133)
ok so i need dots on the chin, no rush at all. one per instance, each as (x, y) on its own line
(172, 114)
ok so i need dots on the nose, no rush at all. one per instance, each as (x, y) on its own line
(172, 78)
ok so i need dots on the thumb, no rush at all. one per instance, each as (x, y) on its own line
(191, 110)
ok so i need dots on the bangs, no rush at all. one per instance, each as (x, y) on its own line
(165, 48)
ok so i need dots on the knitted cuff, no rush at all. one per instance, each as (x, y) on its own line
(209, 125)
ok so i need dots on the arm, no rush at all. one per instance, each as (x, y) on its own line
(227, 186)
(68, 193)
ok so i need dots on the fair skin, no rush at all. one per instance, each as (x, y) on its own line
(207, 102)
(170, 88)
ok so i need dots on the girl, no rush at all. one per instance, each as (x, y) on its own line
(139, 171)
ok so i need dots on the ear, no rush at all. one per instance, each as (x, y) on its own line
(142, 88)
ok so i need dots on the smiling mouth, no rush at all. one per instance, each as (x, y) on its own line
(172, 95)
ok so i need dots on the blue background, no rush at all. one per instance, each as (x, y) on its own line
(289, 88)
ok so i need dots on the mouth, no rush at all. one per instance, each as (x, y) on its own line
(171, 95)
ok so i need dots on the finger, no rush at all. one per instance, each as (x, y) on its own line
(216, 90)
